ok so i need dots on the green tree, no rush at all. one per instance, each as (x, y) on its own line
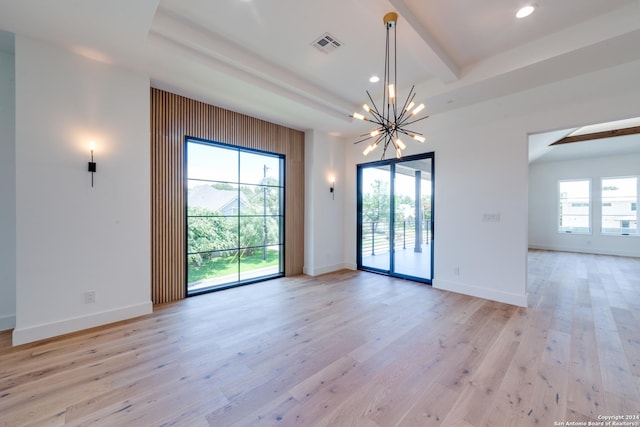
(207, 232)
(260, 218)
(376, 203)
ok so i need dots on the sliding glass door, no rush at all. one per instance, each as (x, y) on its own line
(234, 215)
(395, 217)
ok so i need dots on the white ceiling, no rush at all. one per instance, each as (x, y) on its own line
(256, 57)
(542, 150)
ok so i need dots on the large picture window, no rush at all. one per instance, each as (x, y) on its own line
(574, 200)
(619, 205)
(234, 215)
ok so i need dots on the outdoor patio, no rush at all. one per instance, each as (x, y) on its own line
(406, 261)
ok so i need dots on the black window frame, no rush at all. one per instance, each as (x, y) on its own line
(282, 215)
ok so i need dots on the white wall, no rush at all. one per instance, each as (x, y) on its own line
(543, 205)
(324, 160)
(7, 193)
(481, 167)
(71, 238)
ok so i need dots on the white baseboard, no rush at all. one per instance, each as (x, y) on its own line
(474, 291)
(7, 322)
(327, 269)
(39, 332)
(594, 251)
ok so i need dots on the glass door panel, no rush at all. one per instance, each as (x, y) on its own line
(375, 218)
(412, 219)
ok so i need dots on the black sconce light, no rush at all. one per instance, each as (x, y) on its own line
(332, 188)
(92, 164)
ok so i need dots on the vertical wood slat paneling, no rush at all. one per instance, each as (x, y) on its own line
(174, 117)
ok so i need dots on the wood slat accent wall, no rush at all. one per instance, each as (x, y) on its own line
(174, 117)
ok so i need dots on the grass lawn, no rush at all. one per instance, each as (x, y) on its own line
(229, 265)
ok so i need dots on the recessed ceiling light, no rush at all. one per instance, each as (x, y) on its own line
(526, 11)
(374, 79)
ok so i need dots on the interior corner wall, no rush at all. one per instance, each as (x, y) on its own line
(543, 205)
(481, 167)
(7, 193)
(72, 238)
(324, 225)
(309, 204)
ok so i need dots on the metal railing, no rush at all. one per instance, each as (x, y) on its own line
(376, 236)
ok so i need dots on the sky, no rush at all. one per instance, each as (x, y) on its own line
(404, 184)
(220, 164)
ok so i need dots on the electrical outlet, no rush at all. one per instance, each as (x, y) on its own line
(90, 297)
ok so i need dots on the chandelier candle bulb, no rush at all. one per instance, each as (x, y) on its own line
(359, 116)
(410, 106)
(366, 108)
(375, 133)
(419, 138)
(392, 92)
(370, 148)
(400, 144)
(418, 109)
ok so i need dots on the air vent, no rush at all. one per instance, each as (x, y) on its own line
(327, 43)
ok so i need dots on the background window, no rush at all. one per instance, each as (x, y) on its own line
(619, 205)
(574, 199)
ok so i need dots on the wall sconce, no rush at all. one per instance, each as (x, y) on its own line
(92, 164)
(332, 188)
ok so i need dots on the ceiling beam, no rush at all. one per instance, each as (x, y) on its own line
(597, 135)
(176, 31)
(443, 65)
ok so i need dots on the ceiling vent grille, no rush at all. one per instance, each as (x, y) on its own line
(327, 43)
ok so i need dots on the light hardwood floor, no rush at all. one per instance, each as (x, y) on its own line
(348, 349)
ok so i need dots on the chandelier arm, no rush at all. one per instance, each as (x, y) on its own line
(415, 121)
(377, 122)
(394, 141)
(375, 106)
(410, 133)
(377, 140)
(362, 140)
(403, 116)
(374, 111)
(407, 101)
(384, 150)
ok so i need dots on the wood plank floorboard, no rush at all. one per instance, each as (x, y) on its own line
(348, 349)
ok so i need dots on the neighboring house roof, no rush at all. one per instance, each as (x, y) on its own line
(214, 199)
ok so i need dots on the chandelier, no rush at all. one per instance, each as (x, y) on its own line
(392, 120)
